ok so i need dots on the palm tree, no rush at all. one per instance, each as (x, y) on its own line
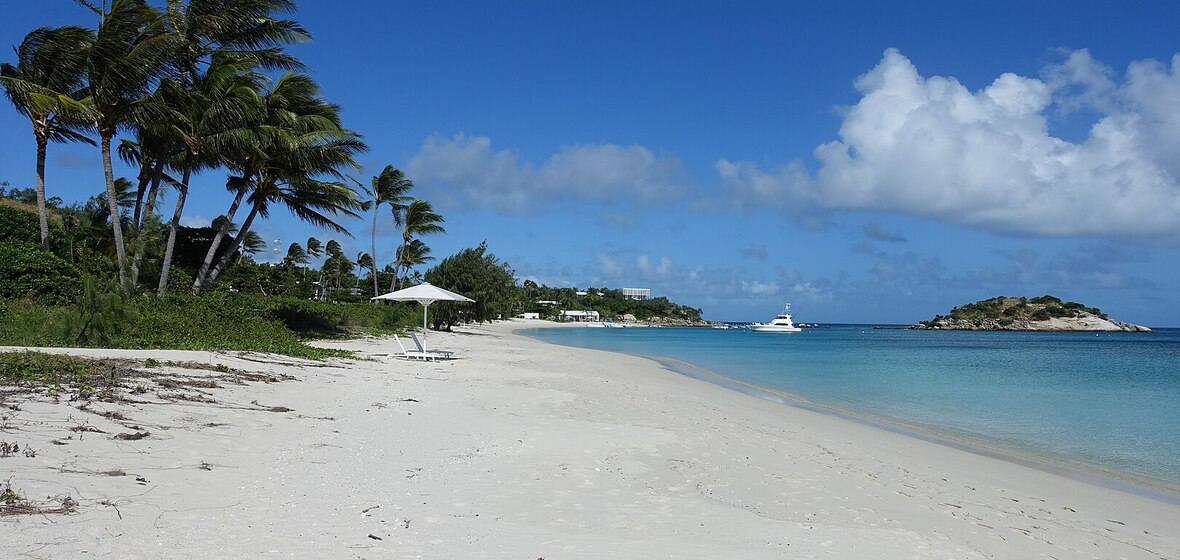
(128, 54)
(419, 219)
(390, 186)
(314, 248)
(296, 255)
(43, 86)
(214, 46)
(311, 200)
(245, 29)
(305, 140)
(363, 260)
(212, 121)
(289, 116)
(412, 254)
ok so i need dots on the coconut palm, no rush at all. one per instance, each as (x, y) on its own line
(314, 247)
(245, 29)
(290, 116)
(295, 255)
(128, 54)
(412, 254)
(363, 260)
(212, 120)
(218, 43)
(43, 86)
(304, 140)
(389, 187)
(419, 219)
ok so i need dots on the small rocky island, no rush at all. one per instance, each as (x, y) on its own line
(1045, 313)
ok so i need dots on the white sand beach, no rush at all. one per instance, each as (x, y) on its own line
(520, 449)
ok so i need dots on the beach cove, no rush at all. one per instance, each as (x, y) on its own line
(523, 449)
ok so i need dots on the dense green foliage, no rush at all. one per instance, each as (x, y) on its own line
(1008, 310)
(214, 321)
(28, 272)
(480, 275)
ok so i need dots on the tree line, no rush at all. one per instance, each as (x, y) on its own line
(198, 87)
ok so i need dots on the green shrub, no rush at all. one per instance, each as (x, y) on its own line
(28, 272)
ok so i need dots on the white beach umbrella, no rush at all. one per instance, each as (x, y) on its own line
(426, 294)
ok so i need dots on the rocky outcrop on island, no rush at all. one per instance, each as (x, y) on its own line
(1045, 313)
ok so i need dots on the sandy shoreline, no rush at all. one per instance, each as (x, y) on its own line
(521, 449)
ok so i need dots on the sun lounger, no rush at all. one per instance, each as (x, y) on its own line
(419, 354)
(445, 354)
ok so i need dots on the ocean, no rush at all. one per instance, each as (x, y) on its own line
(1106, 403)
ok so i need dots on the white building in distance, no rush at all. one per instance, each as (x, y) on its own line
(636, 293)
(579, 316)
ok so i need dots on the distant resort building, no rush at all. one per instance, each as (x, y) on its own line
(579, 316)
(529, 315)
(636, 293)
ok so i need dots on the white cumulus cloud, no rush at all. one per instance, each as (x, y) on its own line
(660, 268)
(467, 171)
(931, 147)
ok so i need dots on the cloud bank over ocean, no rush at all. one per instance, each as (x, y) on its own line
(930, 147)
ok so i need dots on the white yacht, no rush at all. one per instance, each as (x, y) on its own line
(782, 323)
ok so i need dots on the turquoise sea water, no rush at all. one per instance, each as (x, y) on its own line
(1107, 400)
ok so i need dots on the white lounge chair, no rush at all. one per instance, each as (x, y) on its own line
(410, 354)
(444, 354)
(419, 354)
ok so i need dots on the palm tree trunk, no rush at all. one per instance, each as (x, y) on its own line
(374, 253)
(140, 190)
(148, 207)
(237, 242)
(173, 226)
(199, 279)
(113, 203)
(42, 213)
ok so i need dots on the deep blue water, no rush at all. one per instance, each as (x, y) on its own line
(1110, 400)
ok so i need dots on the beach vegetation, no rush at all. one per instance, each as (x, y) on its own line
(30, 272)
(1008, 311)
(480, 275)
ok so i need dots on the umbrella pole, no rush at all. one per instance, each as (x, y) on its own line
(425, 306)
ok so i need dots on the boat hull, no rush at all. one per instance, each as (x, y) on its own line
(774, 329)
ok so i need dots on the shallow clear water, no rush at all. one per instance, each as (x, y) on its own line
(1108, 399)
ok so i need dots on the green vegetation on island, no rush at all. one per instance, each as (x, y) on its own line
(1044, 313)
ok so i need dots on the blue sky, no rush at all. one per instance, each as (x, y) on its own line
(875, 162)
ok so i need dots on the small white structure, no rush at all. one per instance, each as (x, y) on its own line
(546, 302)
(636, 293)
(579, 316)
(529, 315)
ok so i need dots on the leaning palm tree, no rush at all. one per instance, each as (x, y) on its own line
(128, 54)
(314, 248)
(313, 201)
(419, 219)
(389, 187)
(310, 143)
(363, 260)
(212, 120)
(290, 115)
(412, 254)
(211, 41)
(43, 86)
